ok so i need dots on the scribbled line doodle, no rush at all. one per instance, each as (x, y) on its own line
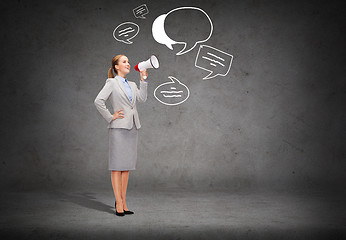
(200, 32)
(140, 11)
(214, 61)
(124, 32)
(172, 93)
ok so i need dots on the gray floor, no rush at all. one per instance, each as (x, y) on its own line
(173, 214)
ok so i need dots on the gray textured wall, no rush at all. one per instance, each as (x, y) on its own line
(277, 120)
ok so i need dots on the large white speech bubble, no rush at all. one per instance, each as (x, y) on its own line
(214, 61)
(159, 33)
(160, 36)
(172, 93)
(124, 32)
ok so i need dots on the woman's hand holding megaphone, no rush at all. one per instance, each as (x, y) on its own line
(144, 75)
(152, 62)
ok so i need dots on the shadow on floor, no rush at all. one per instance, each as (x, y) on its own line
(87, 200)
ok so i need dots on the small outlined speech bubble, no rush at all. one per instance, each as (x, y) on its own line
(172, 93)
(124, 32)
(140, 11)
(213, 60)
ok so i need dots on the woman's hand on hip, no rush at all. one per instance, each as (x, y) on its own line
(144, 75)
(118, 114)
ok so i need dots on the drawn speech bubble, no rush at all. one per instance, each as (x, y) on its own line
(213, 60)
(124, 32)
(140, 11)
(172, 93)
(191, 20)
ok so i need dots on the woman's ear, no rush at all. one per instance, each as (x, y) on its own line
(116, 67)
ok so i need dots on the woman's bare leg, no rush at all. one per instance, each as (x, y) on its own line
(117, 188)
(124, 181)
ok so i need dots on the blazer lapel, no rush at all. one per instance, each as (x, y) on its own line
(121, 85)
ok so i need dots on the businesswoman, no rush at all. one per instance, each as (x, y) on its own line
(123, 125)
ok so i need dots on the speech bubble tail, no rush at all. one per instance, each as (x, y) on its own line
(174, 79)
(210, 76)
(127, 41)
(185, 49)
(169, 46)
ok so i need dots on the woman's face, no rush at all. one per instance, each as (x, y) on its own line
(123, 66)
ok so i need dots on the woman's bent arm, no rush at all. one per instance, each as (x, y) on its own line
(142, 92)
(100, 101)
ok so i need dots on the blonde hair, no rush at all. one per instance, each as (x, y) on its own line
(115, 61)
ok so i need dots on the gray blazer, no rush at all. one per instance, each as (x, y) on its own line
(114, 90)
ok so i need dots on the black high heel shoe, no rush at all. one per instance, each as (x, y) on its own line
(125, 212)
(121, 214)
(116, 212)
(128, 212)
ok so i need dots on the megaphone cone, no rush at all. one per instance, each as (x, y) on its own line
(152, 62)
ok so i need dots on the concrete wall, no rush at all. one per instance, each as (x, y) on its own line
(276, 120)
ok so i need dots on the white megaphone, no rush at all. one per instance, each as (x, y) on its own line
(152, 62)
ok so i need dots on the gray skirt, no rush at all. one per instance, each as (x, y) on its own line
(122, 149)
